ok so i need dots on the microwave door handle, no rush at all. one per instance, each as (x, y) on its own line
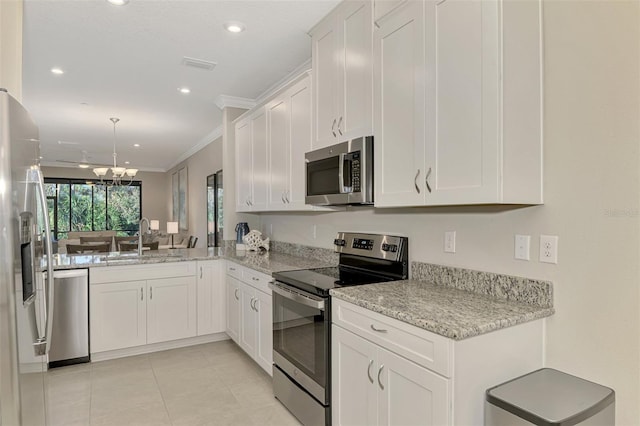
(49, 287)
(344, 188)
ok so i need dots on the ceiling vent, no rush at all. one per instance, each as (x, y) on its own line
(198, 63)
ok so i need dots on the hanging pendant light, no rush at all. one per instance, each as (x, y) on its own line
(117, 172)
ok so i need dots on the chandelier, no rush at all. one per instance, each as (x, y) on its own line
(118, 173)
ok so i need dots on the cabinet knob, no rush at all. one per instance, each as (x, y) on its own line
(415, 181)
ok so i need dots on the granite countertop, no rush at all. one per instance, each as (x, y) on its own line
(453, 313)
(267, 262)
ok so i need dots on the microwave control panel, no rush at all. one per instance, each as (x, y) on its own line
(355, 171)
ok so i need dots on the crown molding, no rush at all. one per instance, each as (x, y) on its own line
(224, 101)
(295, 74)
(209, 138)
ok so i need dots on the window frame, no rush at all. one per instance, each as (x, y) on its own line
(93, 182)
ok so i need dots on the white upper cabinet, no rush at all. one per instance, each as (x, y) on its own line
(458, 101)
(289, 129)
(343, 74)
(251, 162)
(244, 173)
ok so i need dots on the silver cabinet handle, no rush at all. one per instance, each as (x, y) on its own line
(251, 304)
(232, 269)
(282, 198)
(426, 180)
(255, 279)
(379, 373)
(150, 293)
(339, 123)
(415, 181)
(141, 293)
(255, 305)
(369, 371)
(332, 128)
(379, 330)
(236, 294)
(201, 272)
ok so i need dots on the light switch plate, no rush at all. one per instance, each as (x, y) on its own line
(450, 241)
(522, 244)
(549, 248)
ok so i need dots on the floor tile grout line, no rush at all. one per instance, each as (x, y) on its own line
(164, 402)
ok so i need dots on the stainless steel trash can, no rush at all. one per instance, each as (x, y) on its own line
(549, 397)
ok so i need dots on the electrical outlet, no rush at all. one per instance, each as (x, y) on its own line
(549, 248)
(521, 247)
(450, 241)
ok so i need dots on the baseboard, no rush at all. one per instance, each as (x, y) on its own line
(157, 347)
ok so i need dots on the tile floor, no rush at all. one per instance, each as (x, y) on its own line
(210, 384)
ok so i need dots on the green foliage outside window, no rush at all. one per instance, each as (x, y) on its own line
(91, 206)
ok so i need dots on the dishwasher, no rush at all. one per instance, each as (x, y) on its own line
(70, 335)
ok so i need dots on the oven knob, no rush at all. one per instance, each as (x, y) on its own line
(393, 248)
(339, 242)
(385, 247)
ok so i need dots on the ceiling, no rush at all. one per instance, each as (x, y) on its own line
(126, 62)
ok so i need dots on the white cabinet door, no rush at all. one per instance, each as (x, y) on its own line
(264, 345)
(355, 111)
(325, 63)
(464, 159)
(233, 308)
(171, 309)
(258, 200)
(248, 322)
(342, 74)
(118, 315)
(354, 386)
(211, 297)
(279, 152)
(410, 394)
(300, 142)
(399, 147)
(244, 174)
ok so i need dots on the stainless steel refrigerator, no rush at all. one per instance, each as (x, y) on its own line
(26, 299)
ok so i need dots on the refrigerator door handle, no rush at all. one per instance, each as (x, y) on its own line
(48, 282)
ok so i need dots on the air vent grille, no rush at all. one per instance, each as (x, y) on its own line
(198, 63)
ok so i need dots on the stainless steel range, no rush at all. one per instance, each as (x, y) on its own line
(302, 318)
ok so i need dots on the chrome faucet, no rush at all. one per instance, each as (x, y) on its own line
(144, 219)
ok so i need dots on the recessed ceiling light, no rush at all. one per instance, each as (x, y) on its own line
(57, 71)
(118, 2)
(234, 27)
(137, 145)
(184, 90)
(127, 162)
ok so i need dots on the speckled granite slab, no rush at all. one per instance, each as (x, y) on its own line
(269, 262)
(507, 287)
(447, 311)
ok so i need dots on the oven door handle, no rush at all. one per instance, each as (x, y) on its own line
(298, 296)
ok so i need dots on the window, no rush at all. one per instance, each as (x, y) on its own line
(88, 205)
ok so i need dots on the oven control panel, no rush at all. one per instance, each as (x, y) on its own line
(378, 246)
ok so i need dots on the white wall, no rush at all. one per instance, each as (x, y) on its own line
(203, 163)
(592, 134)
(154, 205)
(11, 47)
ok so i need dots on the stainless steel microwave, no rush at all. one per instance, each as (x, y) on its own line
(341, 174)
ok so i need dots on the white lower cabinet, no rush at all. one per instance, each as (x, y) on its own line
(171, 309)
(211, 297)
(249, 313)
(374, 386)
(118, 313)
(156, 303)
(387, 372)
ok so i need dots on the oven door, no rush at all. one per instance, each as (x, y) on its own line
(301, 327)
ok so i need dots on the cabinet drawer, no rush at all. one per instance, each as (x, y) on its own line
(234, 270)
(257, 280)
(125, 273)
(420, 346)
